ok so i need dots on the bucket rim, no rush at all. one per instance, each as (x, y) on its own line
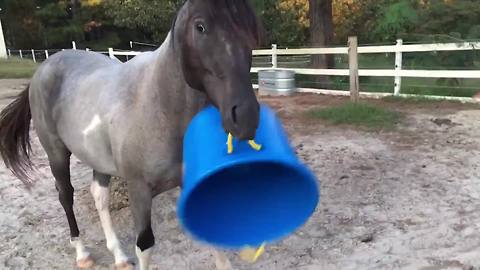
(296, 165)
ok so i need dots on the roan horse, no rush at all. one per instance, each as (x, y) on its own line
(128, 119)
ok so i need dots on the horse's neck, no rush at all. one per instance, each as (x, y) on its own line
(166, 89)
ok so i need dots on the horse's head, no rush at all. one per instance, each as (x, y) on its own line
(215, 39)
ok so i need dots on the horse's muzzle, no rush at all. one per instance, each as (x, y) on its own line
(242, 120)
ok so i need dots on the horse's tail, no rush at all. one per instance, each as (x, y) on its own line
(15, 145)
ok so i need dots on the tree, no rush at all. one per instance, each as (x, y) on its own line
(152, 18)
(321, 34)
(285, 21)
(397, 19)
(21, 25)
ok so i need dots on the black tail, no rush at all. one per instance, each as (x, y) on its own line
(15, 145)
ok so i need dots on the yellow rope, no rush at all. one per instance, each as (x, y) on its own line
(252, 144)
(229, 143)
(251, 255)
(248, 254)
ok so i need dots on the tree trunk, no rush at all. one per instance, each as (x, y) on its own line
(75, 4)
(321, 35)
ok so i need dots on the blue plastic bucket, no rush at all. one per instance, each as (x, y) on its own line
(248, 197)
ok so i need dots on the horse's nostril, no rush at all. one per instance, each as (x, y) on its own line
(234, 114)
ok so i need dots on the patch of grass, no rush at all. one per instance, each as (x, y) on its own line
(13, 68)
(357, 114)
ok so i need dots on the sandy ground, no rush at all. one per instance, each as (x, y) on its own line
(402, 199)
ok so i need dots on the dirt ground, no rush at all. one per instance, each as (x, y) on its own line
(401, 199)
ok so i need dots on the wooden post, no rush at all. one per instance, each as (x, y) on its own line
(274, 56)
(398, 67)
(33, 56)
(353, 66)
(110, 53)
(3, 47)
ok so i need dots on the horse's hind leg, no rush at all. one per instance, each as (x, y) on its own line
(101, 194)
(59, 159)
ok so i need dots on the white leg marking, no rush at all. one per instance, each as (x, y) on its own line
(143, 258)
(102, 198)
(228, 47)
(221, 260)
(82, 252)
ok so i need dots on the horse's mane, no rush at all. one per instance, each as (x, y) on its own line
(239, 12)
(242, 15)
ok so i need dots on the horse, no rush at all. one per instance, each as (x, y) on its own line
(128, 119)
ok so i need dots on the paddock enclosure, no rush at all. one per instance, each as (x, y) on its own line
(407, 198)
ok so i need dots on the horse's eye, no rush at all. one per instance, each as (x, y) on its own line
(200, 28)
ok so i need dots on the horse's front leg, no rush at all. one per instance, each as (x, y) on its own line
(101, 193)
(140, 200)
(221, 260)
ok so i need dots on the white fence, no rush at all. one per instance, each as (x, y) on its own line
(397, 72)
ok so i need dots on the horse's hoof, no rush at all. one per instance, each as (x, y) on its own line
(86, 262)
(124, 266)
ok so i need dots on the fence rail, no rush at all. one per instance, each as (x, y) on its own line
(397, 71)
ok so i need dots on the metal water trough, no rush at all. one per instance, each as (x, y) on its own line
(276, 82)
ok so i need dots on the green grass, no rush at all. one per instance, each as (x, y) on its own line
(357, 114)
(13, 68)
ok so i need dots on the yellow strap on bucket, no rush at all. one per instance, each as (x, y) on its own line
(251, 255)
(230, 143)
(252, 144)
(248, 254)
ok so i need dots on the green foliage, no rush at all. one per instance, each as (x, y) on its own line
(152, 18)
(282, 26)
(357, 18)
(51, 23)
(458, 19)
(22, 27)
(398, 18)
(357, 114)
(57, 28)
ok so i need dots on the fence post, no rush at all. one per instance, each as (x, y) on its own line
(33, 56)
(21, 54)
(9, 53)
(353, 66)
(46, 54)
(110, 53)
(398, 67)
(3, 46)
(74, 45)
(274, 56)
